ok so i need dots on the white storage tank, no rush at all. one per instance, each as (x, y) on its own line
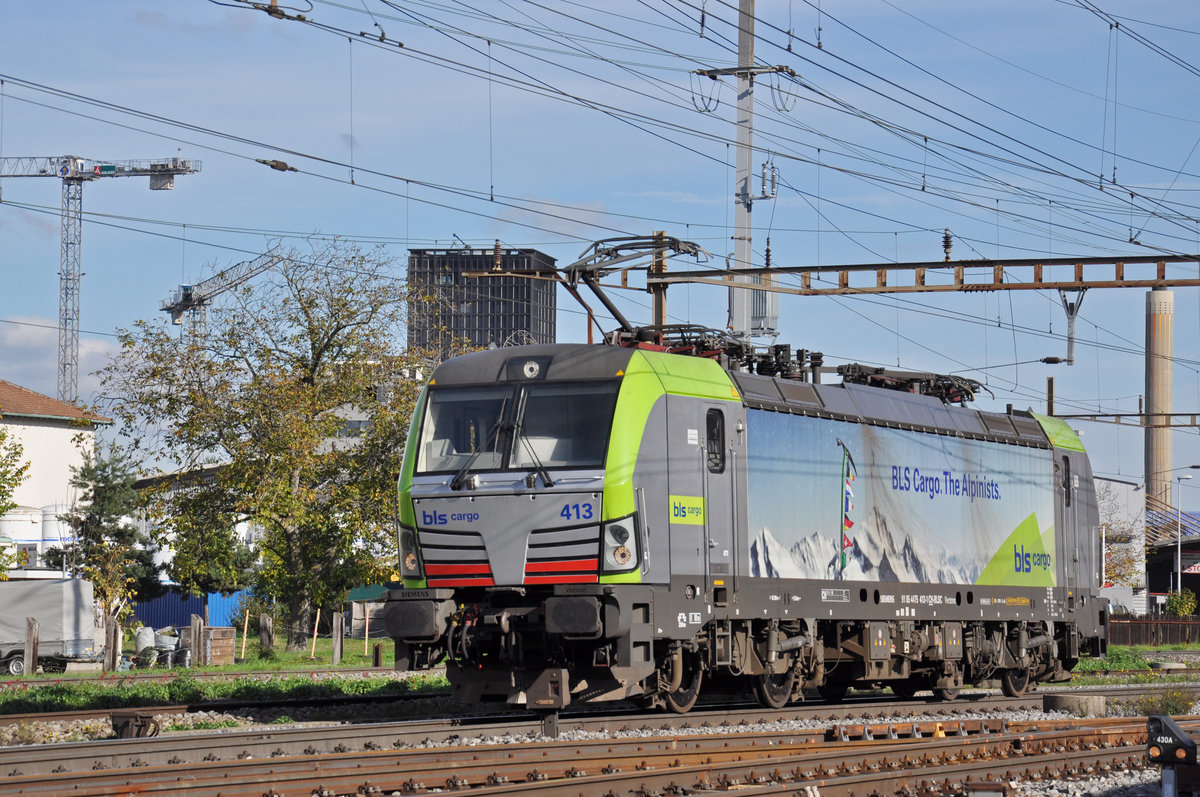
(55, 533)
(23, 525)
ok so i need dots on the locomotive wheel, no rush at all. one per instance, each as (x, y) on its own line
(945, 694)
(1015, 683)
(682, 699)
(834, 693)
(905, 690)
(774, 690)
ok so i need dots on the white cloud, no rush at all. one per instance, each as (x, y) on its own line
(29, 356)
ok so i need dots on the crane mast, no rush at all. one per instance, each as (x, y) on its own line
(74, 172)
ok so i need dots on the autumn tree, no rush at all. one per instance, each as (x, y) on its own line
(13, 471)
(107, 548)
(297, 398)
(1123, 527)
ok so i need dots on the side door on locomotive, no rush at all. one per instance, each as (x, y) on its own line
(707, 455)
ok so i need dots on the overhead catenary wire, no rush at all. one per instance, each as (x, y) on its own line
(827, 198)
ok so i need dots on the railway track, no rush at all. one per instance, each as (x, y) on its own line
(928, 756)
(861, 703)
(281, 741)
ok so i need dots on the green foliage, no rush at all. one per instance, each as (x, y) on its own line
(282, 719)
(108, 550)
(185, 689)
(1181, 604)
(268, 392)
(12, 470)
(63, 696)
(207, 554)
(1119, 658)
(27, 733)
(1171, 700)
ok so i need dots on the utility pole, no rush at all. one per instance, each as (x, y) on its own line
(74, 172)
(751, 312)
(658, 266)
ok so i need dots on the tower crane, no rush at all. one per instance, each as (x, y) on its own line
(194, 298)
(74, 172)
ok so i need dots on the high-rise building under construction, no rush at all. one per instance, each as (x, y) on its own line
(513, 303)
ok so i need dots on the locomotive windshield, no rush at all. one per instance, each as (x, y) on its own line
(542, 424)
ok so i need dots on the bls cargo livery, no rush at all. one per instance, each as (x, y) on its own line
(586, 523)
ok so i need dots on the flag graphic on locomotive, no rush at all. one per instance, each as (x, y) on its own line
(588, 523)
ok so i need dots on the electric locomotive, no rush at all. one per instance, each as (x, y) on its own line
(588, 523)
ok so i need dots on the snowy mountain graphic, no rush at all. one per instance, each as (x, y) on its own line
(875, 555)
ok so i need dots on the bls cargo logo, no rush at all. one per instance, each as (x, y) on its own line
(442, 518)
(1028, 561)
(687, 509)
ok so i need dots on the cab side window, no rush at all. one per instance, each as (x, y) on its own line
(714, 438)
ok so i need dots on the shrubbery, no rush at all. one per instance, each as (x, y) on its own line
(1181, 604)
(189, 689)
(1118, 658)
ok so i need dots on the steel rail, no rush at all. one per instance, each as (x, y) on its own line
(662, 765)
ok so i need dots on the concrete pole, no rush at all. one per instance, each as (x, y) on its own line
(740, 309)
(1160, 329)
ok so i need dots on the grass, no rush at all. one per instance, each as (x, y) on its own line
(181, 687)
(1119, 658)
(280, 658)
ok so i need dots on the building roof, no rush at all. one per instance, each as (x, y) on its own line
(21, 402)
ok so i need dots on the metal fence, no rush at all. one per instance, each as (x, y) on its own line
(1153, 631)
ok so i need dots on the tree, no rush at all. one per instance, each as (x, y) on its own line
(199, 528)
(108, 549)
(1182, 603)
(1124, 537)
(280, 398)
(13, 471)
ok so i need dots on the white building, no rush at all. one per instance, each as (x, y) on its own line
(55, 437)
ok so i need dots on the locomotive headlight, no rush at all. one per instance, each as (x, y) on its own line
(410, 563)
(620, 545)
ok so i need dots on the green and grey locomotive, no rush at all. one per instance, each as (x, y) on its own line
(588, 523)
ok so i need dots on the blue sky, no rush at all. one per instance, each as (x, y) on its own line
(551, 126)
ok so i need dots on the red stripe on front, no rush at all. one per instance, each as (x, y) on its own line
(581, 579)
(483, 569)
(571, 565)
(461, 582)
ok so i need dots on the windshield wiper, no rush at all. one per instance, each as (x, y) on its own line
(493, 436)
(539, 468)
